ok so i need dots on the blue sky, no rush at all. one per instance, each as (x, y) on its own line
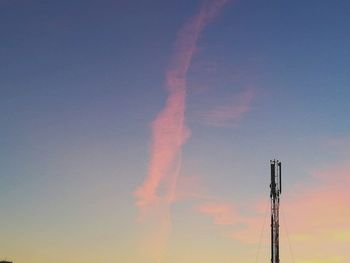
(82, 81)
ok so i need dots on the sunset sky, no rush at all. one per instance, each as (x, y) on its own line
(141, 131)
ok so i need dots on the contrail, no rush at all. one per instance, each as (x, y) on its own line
(169, 131)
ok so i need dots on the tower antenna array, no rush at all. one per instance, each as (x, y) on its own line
(276, 189)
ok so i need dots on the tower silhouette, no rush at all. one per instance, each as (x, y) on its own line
(276, 189)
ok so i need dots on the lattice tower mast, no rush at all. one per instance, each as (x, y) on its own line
(276, 188)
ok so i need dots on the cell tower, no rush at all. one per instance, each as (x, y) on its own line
(276, 187)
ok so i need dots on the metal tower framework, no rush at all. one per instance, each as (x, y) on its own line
(276, 189)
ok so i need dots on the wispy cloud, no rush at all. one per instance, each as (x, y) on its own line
(315, 213)
(318, 211)
(322, 210)
(169, 131)
(221, 213)
(229, 114)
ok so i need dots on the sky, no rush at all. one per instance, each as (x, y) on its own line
(141, 131)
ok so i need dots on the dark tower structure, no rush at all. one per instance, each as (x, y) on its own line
(275, 192)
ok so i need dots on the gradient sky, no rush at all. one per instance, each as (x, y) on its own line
(84, 87)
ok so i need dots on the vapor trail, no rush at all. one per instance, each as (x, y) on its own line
(169, 131)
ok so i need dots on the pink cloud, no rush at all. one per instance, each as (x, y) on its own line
(191, 187)
(221, 213)
(168, 129)
(316, 214)
(229, 114)
(242, 227)
(319, 211)
(325, 206)
(169, 132)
